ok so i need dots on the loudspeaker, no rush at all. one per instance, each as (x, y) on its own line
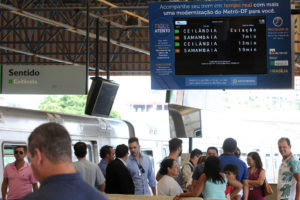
(101, 97)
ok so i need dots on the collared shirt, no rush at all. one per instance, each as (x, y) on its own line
(123, 162)
(65, 187)
(102, 165)
(90, 172)
(286, 187)
(141, 181)
(19, 181)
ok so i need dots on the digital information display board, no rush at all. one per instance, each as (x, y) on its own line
(220, 44)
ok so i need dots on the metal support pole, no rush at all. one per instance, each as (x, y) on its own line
(87, 43)
(190, 144)
(97, 48)
(108, 52)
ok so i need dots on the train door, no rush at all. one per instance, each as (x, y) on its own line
(92, 150)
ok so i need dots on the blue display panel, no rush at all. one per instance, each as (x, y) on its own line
(220, 44)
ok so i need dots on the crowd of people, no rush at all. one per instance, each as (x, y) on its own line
(125, 170)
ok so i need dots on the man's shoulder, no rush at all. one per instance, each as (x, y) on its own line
(102, 162)
(231, 158)
(188, 165)
(65, 187)
(90, 194)
(10, 164)
(114, 162)
(145, 156)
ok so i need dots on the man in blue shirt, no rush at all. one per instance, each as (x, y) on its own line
(140, 169)
(50, 155)
(228, 157)
(107, 154)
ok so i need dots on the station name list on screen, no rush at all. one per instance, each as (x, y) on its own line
(220, 45)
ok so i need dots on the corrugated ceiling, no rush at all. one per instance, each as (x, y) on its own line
(54, 31)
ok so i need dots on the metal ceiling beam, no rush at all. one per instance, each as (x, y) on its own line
(36, 55)
(124, 11)
(107, 20)
(69, 28)
(114, 23)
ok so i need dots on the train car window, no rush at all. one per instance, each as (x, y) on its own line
(8, 153)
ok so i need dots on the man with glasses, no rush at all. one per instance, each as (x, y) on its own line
(140, 169)
(18, 177)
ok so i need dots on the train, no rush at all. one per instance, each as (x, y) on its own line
(17, 123)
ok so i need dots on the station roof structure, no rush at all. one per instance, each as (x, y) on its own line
(55, 32)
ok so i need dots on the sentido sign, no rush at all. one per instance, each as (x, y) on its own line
(43, 79)
(220, 44)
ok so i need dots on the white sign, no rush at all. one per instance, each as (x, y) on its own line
(44, 79)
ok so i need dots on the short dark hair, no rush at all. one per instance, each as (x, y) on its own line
(133, 139)
(214, 148)
(165, 164)
(80, 149)
(19, 146)
(232, 168)
(255, 156)
(105, 150)
(229, 145)
(285, 139)
(53, 140)
(174, 144)
(121, 150)
(196, 152)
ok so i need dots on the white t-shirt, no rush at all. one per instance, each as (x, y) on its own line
(167, 186)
